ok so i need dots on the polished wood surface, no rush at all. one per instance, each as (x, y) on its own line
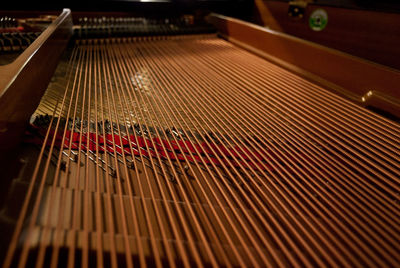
(362, 81)
(23, 82)
(365, 33)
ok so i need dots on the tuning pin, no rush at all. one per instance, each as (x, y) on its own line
(175, 132)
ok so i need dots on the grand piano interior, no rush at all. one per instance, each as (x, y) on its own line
(200, 133)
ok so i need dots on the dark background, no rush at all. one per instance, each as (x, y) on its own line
(237, 8)
(243, 9)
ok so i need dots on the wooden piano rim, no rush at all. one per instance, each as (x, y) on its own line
(362, 81)
(9, 73)
(27, 78)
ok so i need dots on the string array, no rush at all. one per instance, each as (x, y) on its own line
(241, 163)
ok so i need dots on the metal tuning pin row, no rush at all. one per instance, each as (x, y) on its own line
(16, 41)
